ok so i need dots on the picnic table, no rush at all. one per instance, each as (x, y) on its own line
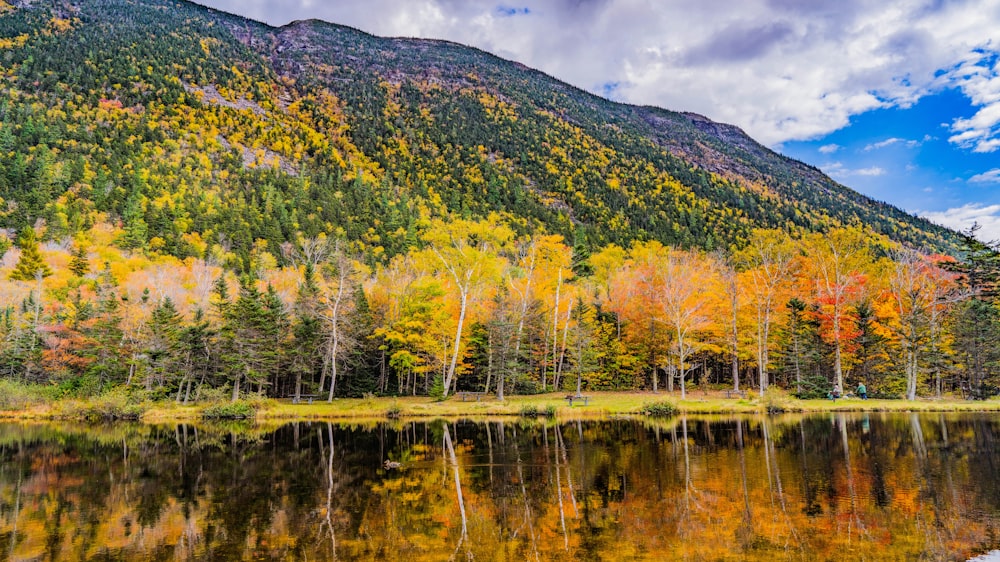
(468, 394)
(301, 397)
(738, 393)
(570, 398)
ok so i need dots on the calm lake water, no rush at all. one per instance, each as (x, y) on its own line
(830, 487)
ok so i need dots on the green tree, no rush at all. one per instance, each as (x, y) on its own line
(79, 264)
(163, 344)
(195, 355)
(870, 345)
(275, 330)
(305, 357)
(248, 344)
(104, 332)
(31, 266)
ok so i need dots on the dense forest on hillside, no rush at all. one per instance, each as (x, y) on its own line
(194, 203)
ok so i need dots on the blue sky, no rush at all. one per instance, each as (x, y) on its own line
(903, 156)
(899, 99)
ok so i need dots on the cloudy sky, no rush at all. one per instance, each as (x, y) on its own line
(899, 99)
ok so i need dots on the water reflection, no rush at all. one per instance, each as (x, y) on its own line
(834, 487)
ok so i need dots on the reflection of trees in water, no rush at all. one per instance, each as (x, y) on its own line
(838, 486)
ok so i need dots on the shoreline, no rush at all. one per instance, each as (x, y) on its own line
(552, 405)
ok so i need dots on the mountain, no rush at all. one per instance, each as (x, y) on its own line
(193, 129)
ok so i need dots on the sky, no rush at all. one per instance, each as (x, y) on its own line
(898, 99)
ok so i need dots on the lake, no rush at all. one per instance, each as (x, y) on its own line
(822, 487)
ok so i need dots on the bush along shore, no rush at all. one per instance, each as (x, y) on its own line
(120, 405)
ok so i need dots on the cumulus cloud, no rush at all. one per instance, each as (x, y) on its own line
(979, 79)
(989, 176)
(829, 148)
(962, 218)
(781, 69)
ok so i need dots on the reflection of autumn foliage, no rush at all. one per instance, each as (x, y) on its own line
(872, 487)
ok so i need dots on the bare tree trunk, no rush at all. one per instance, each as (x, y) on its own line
(562, 351)
(458, 341)
(555, 335)
(335, 326)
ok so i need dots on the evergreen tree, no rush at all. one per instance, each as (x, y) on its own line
(362, 362)
(305, 356)
(105, 334)
(977, 339)
(247, 350)
(30, 266)
(164, 341)
(977, 328)
(79, 265)
(799, 356)
(871, 355)
(275, 331)
(136, 230)
(195, 356)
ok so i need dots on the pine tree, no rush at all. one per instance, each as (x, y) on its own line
(977, 332)
(136, 230)
(799, 353)
(305, 357)
(79, 265)
(164, 342)
(31, 265)
(195, 355)
(247, 338)
(105, 332)
(274, 331)
(871, 354)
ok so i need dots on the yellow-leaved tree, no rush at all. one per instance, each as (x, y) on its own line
(467, 255)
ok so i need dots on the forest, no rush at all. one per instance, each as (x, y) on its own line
(476, 307)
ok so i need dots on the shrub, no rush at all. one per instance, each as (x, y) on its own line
(777, 400)
(663, 409)
(239, 410)
(208, 395)
(17, 396)
(532, 411)
(394, 411)
(437, 388)
(529, 411)
(118, 404)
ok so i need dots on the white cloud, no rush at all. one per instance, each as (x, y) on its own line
(780, 69)
(873, 171)
(892, 141)
(962, 218)
(839, 171)
(990, 176)
(980, 81)
(829, 148)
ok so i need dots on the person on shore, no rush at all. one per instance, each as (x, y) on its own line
(862, 391)
(835, 394)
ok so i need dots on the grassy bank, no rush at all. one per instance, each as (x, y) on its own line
(601, 404)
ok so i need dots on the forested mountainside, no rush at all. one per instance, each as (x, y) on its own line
(206, 207)
(195, 129)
